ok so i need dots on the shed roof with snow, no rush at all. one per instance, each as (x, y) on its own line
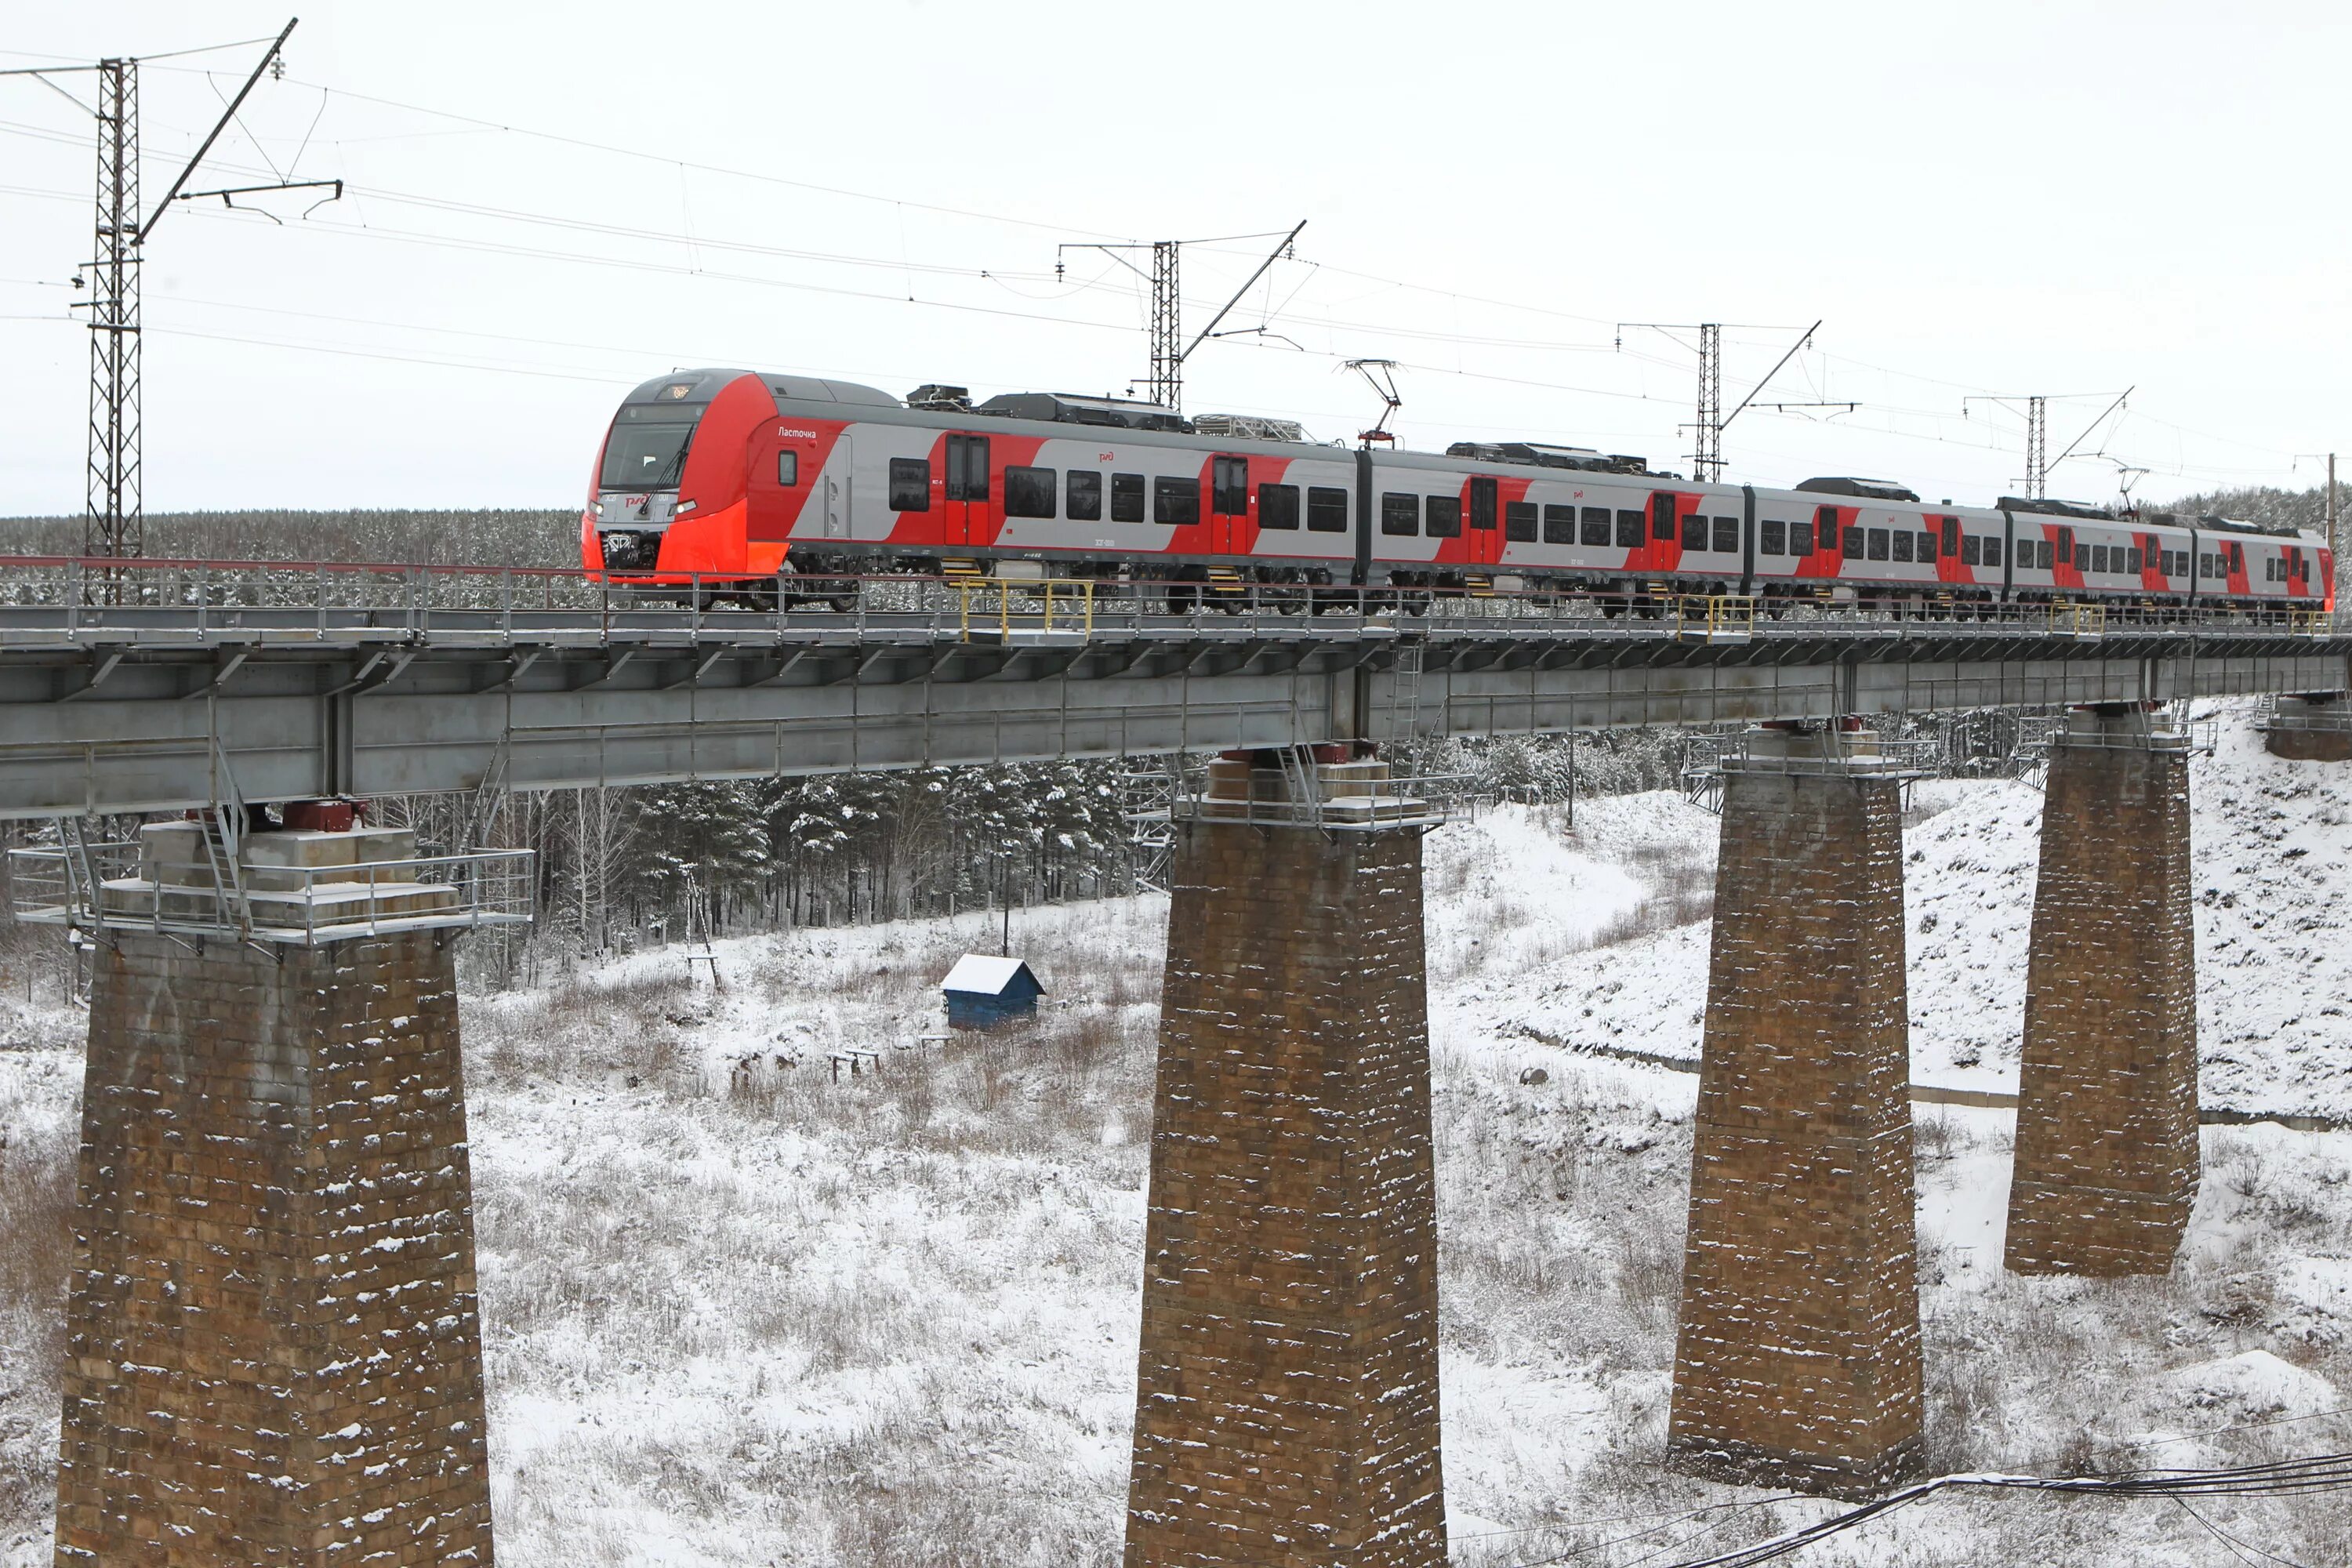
(983, 990)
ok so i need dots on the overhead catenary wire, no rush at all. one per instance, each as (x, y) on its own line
(1006, 279)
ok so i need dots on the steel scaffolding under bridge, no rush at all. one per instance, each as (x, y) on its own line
(281, 686)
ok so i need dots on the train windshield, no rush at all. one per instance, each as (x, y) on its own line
(647, 450)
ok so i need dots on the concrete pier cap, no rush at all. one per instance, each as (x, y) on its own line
(273, 1343)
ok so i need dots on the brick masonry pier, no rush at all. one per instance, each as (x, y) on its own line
(2312, 728)
(1798, 1361)
(273, 1352)
(1286, 1392)
(2107, 1164)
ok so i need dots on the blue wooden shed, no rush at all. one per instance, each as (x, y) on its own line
(982, 992)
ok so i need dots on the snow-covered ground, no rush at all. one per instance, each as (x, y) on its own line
(2270, 844)
(738, 1309)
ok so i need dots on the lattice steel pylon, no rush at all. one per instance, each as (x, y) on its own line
(1707, 462)
(1167, 327)
(114, 521)
(2037, 447)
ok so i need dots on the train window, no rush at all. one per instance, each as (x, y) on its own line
(2139, 560)
(1520, 518)
(1992, 551)
(1878, 543)
(1126, 497)
(1825, 526)
(1972, 549)
(1903, 543)
(1773, 538)
(967, 467)
(1595, 525)
(1082, 495)
(910, 484)
(1926, 544)
(2042, 549)
(1029, 492)
(1951, 536)
(1229, 487)
(1483, 496)
(1800, 538)
(2105, 559)
(2205, 563)
(1400, 513)
(1694, 533)
(1326, 510)
(1445, 517)
(1560, 525)
(1277, 506)
(1175, 498)
(2082, 558)
(1857, 540)
(1629, 530)
(1726, 534)
(788, 468)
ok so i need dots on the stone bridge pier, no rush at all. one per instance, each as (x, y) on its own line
(2314, 727)
(273, 1354)
(1286, 1407)
(1798, 1362)
(2106, 1163)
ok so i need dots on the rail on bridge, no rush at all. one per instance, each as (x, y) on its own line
(122, 685)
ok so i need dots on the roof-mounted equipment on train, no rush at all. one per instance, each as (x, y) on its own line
(939, 398)
(1070, 408)
(1248, 428)
(2049, 508)
(2240, 525)
(1544, 454)
(1866, 489)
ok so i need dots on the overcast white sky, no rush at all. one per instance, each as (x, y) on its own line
(1974, 198)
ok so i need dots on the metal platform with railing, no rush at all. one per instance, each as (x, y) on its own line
(1319, 787)
(293, 886)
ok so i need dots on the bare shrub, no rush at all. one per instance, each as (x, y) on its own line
(37, 1196)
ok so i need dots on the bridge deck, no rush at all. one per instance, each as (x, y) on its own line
(397, 682)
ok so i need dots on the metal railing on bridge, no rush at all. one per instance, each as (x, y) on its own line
(57, 599)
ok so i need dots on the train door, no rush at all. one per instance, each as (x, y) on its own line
(836, 483)
(1229, 506)
(1484, 534)
(966, 499)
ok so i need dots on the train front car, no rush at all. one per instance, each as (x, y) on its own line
(670, 489)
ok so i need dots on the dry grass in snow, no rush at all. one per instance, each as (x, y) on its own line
(739, 1311)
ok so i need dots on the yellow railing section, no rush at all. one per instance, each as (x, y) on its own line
(2066, 618)
(1037, 605)
(1718, 617)
(2312, 623)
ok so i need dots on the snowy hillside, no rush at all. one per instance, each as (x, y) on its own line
(2271, 841)
(745, 1306)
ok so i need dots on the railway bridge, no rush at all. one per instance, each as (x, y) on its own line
(273, 1338)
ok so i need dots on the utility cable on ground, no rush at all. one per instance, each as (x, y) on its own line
(2285, 1477)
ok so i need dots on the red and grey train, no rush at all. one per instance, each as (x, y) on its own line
(726, 477)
